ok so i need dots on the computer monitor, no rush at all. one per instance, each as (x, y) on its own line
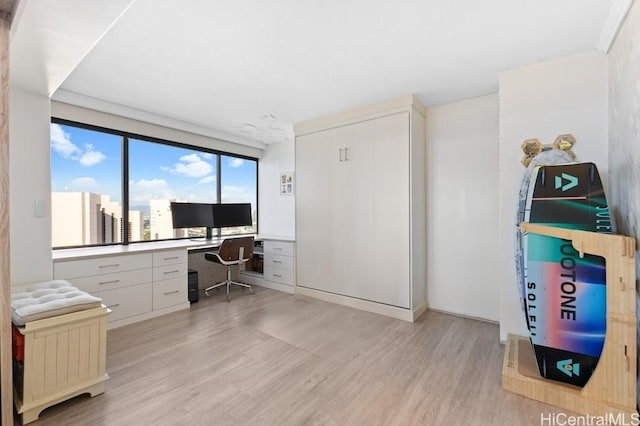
(231, 214)
(192, 215)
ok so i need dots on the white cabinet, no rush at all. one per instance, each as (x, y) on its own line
(135, 286)
(126, 302)
(123, 282)
(169, 278)
(102, 265)
(278, 262)
(277, 266)
(360, 204)
(170, 257)
(96, 283)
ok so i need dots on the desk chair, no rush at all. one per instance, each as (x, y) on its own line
(233, 251)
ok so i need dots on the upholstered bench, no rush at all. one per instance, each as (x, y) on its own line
(63, 347)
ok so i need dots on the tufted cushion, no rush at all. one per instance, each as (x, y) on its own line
(48, 299)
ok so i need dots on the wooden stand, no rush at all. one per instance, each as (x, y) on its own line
(612, 387)
(64, 356)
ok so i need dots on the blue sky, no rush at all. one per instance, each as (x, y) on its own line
(90, 161)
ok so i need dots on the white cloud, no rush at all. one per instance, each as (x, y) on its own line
(191, 158)
(90, 156)
(149, 189)
(150, 184)
(61, 142)
(83, 182)
(236, 162)
(192, 166)
(207, 179)
(236, 194)
(207, 155)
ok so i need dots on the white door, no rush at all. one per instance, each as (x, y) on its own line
(319, 192)
(380, 176)
(359, 203)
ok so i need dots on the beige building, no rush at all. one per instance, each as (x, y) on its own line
(136, 225)
(161, 224)
(82, 218)
(74, 218)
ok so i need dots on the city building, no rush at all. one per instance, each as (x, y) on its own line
(99, 216)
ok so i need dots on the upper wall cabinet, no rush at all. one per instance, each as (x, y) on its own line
(360, 204)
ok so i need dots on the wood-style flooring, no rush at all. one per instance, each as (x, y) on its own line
(277, 359)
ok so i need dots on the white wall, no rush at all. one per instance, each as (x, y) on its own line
(116, 122)
(624, 131)
(462, 200)
(277, 212)
(567, 95)
(624, 127)
(29, 182)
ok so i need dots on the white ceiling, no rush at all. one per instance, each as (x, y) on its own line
(249, 69)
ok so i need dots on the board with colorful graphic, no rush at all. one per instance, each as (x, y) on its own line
(565, 294)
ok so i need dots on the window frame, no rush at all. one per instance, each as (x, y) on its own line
(124, 189)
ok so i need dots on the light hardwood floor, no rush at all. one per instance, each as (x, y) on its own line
(278, 359)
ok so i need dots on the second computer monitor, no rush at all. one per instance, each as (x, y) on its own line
(231, 214)
(191, 215)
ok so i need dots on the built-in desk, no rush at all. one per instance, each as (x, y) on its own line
(272, 265)
(145, 280)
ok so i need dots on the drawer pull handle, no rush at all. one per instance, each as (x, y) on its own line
(276, 275)
(277, 248)
(114, 305)
(171, 258)
(109, 282)
(171, 272)
(109, 266)
(171, 292)
(277, 261)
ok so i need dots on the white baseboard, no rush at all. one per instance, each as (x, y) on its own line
(458, 314)
(147, 315)
(253, 280)
(364, 305)
(421, 309)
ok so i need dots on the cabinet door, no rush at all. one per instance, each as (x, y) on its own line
(319, 191)
(379, 175)
(128, 301)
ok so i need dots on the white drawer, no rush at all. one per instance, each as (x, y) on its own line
(104, 282)
(127, 301)
(100, 265)
(279, 275)
(278, 261)
(169, 292)
(170, 271)
(169, 257)
(284, 248)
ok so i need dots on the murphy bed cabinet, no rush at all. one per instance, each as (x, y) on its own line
(360, 208)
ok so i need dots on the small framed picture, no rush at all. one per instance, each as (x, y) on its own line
(286, 183)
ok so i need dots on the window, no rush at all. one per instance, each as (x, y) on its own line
(86, 186)
(111, 187)
(175, 174)
(238, 185)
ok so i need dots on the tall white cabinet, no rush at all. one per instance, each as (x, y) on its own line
(360, 208)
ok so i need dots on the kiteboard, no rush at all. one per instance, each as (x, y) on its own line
(564, 295)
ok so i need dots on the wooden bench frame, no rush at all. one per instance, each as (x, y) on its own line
(612, 386)
(64, 356)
